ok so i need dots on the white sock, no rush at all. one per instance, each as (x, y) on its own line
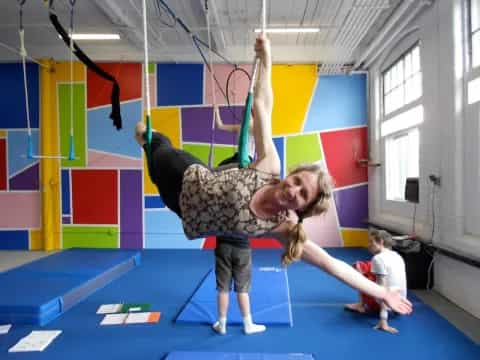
(220, 326)
(251, 328)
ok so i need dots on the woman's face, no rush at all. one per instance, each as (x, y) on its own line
(298, 190)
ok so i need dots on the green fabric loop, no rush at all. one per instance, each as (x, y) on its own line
(244, 133)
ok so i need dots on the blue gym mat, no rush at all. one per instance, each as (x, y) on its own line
(190, 355)
(269, 299)
(322, 328)
(38, 292)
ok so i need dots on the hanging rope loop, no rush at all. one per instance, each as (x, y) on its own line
(244, 131)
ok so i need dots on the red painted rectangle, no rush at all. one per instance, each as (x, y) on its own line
(343, 149)
(255, 243)
(95, 196)
(128, 76)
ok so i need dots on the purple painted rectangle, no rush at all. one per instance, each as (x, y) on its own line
(352, 206)
(66, 220)
(28, 179)
(131, 211)
(197, 124)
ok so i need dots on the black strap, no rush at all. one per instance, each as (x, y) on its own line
(115, 97)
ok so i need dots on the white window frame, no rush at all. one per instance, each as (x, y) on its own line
(399, 207)
(473, 46)
(471, 128)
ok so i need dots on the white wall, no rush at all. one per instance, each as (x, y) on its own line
(449, 147)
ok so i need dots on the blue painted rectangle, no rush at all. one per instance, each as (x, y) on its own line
(199, 355)
(14, 240)
(339, 101)
(164, 230)
(119, 142)
(280, 146)
(66, 192)
(154, 202)
(179, 84)
(13, 114)
(269, 298)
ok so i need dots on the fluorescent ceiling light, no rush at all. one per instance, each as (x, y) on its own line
(289, 30)
(96, 37)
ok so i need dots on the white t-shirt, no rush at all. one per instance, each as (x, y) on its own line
(391, 265)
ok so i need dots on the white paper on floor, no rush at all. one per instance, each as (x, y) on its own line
(35, 341)
(4, 329)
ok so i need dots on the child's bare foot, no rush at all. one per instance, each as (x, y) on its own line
(357, 307)
(139, 133)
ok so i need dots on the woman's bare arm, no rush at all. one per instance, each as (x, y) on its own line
(267, 156)
(316, 256)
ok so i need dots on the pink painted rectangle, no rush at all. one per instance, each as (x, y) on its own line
(20, 210)
(237, 88)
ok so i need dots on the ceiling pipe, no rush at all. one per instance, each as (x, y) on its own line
(349, 31)
(356, 28)
(367, 22)
(383, 39)
(327, 68)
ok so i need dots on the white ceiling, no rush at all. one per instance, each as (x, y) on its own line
(346, 26)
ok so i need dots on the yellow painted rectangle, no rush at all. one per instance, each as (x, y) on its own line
(355, 238)
(36, 242)
(293, 87)
(3, 133)
(62, 71)
(166, 121)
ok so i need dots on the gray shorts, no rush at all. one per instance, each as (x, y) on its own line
(233, 263)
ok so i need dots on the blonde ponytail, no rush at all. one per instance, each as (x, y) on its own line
(295, 242)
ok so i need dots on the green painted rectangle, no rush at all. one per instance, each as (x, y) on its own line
(220, 152)
(90, 237)
(79, 123)
(303, 149)
(151, 68)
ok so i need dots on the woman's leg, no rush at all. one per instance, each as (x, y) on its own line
(166, 166)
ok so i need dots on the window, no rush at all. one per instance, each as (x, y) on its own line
(471, 127)
(402, 116)
(402, 83)
(474, 11)
(473, 87)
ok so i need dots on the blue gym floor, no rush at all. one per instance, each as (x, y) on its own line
(167, 279)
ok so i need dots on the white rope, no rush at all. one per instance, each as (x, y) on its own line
(23, 53)
(71, 70)
(264, 22)
(145, 45)
(264, 16)
(212, 86)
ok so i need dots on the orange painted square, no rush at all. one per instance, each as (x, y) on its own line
(342, 150)
(95, 196)
(129, 79)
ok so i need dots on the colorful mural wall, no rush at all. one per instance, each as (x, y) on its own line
(104, 198)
